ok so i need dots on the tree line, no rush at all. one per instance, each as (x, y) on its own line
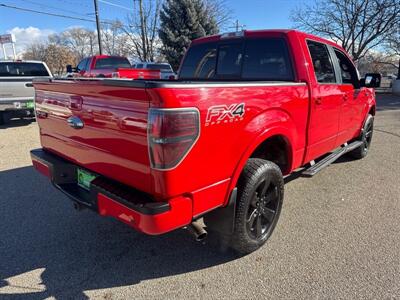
(161, 30)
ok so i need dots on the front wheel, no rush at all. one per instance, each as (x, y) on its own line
(365, 137)
(259, 205)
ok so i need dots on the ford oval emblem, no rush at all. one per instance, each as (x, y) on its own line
(75, 122)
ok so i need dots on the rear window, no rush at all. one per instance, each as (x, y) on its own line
(159, 67)
(112, 62)
(22, 69)
(251, 59)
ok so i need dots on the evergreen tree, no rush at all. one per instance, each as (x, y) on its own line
(181, 22)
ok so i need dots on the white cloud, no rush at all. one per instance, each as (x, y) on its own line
(25, 37)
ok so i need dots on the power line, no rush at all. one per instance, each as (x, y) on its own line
(52, 7)
(116, 5)
(52, 14)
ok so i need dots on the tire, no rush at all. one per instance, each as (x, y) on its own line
(259, 203)
(365, 137)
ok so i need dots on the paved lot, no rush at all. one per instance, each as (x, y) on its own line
(338, 237)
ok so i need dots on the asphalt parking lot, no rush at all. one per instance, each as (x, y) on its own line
(338, 236)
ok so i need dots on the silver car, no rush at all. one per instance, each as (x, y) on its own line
(16, 90)
(165, 68)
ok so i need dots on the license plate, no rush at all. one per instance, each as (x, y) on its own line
(30, 104)
(85, 178)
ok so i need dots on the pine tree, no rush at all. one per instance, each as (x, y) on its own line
(181, 22)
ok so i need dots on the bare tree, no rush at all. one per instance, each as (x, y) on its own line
(114, 39)
(142, 27)
(220, 11)
(393, 46)
(36, 51)
(55, 56)
(358, 25)
(81, 41)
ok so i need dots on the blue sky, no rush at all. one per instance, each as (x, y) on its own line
(28, 26)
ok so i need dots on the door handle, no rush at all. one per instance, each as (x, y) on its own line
(318, 100)
(345, 97)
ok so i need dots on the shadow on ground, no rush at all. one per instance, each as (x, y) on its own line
(17, 123)
(69, 252)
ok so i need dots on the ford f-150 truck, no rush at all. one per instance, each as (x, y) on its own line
(247, 109)
(105, 66)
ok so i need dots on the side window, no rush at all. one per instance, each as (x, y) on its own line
(322, 62)
(267, 59)
(229, 60)
(82, 64)
(87, 64)
(347, 70)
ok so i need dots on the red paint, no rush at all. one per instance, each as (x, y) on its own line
(179, 215)
(41, 167)
(116, 72)
(312, 118)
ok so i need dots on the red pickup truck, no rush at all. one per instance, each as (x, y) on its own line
(247, 109)
(105, 66)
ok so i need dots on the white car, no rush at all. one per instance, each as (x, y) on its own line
(16, 89)
(165, 68)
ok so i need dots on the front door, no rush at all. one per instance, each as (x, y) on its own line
(354, 99)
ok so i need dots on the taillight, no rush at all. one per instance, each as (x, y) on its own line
(171, 135)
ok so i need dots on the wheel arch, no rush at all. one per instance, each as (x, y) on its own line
(272, 136)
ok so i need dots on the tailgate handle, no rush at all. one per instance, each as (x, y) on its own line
(75, 102)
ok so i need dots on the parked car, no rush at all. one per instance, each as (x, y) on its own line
(16, 89)
(247, 109)
(165, 68)
(105, 66)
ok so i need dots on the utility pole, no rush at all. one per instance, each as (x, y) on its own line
(98, 26)
(238, 26)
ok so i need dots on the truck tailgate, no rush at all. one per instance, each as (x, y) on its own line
(113, 139)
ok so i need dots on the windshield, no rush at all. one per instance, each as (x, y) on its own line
(246, 59)
(22, 69)
(112, 62)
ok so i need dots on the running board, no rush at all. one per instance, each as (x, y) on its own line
(315, 168)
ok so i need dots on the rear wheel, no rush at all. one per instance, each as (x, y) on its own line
(259, 205)
(365, 137)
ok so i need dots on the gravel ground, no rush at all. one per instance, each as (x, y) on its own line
(338, 237)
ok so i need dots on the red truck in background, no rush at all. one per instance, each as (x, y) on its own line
(247, 109)
(106, 66)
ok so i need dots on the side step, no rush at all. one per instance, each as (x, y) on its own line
(315, 168)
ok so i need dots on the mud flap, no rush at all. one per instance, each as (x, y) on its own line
(222, 220)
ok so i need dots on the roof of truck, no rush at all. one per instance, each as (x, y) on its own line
(21, 61)
(248, 33)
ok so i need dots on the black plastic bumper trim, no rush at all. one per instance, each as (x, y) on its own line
(63, 177)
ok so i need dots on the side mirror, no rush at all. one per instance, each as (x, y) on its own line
(70, 69)
(372, 80)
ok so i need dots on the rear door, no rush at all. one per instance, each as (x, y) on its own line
(354, 98)
(326, 100)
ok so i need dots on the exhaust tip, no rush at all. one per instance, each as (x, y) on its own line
(198, 231)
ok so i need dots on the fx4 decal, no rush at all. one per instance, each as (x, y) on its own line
(225, 114)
